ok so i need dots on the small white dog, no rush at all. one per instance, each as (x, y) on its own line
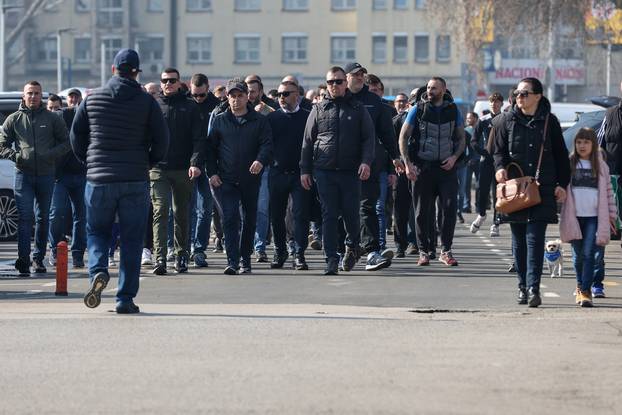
(554, 257)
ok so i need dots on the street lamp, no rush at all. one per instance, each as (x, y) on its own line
(59, 59)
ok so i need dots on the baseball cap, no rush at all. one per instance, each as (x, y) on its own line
(127, 60)
(354, 67)
(237, 84)
(74, 91)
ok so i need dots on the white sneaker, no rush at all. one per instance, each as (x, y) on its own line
(494, 230)
(146, 257)
(479, 221)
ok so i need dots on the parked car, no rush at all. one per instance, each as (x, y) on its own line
(591, 120)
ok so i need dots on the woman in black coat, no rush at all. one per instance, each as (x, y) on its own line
(518, 136)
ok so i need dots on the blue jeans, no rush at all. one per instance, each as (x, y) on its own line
(340, 194)
(201, 207)
(383, 178)
(68, 198)
(528, 250)
(583, 252)
(31, 190)
(599, 266)
(130, 201)
(263, 212)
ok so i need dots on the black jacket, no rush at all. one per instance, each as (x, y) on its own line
(119, 132)
(480, 139)
(381, 116)
(339, 135)
(185, 126)
(69, 164)
(611, 135)
(234, 145)
(517, 139)
(287, 134)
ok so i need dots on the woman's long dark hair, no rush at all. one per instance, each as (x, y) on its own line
(590, 135)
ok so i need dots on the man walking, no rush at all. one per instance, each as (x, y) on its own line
(240, 145)
(337, 152)
(437, 130)
(41, 139)
(173, 176)
(118, 132)
(288, 125)
(385, 143)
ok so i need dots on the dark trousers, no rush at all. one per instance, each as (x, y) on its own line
(69, 188)
(402, 207)
(230, 196)
(282, 185)
(528, 250)
(340, 194)
(370, 228)
(487, 188)
(434, 183)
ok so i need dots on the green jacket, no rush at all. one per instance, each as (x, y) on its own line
(40, 138)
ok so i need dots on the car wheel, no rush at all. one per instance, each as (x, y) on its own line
(8, 216)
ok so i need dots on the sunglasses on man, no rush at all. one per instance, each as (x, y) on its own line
(335, 81)
(202, 95)
(522, 94)
(284, 94)
(169, 80)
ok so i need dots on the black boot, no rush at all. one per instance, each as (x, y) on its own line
(332, 267)
(278, 260)
(534, 298)
(300, 264)
(522, 296)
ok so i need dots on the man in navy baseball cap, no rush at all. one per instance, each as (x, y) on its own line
(127, 61)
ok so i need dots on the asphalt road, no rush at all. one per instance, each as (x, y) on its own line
(408, 339)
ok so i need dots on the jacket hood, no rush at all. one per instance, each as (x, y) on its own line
(179, 96)
(24, 108)
(123, 88)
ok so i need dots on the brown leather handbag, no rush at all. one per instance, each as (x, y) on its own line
(524, 191)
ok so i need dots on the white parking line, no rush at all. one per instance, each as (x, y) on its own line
(550, 295)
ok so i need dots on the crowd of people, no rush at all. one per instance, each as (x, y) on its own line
(151, 168)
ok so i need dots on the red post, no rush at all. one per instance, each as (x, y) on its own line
(61, 268)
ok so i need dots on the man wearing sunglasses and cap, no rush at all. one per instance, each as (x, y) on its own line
(385, 143)
(118, 132)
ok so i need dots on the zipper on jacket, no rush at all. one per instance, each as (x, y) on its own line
(34, 139)
(438, 141)
(338, 136)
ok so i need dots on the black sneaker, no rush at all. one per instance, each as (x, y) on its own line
(22, 266)
(512, 267)
(331, 267)
(230, 270)
(534, 298)
(127, 308)
(460, 218)
(181, 264)
(522, 296)
(262, 256)
(218, 248)
(39, 267)
(159, 268)
(200, 260)
(349, 259)
(245, 267)
(300, 264)
(93, 296)
(278, 261)
(376, 262)
(78, 263)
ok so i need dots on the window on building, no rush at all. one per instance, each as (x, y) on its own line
(155, 5)
(109, 13)
(420, 4)
(400, 4)
(112, 45)
(45, 49)
(151, 48)
(569, 43)
(520, 45)
(198, 5)
(422, 48)
(247, 49)
(83, 6)
(443, 48)
(343, 49)
(294, 48)
(247, 5)
(343, 4)
(400, 48)
(379, 48)
(82, 49)
(295, 4)
(379, 5)
(199, 48)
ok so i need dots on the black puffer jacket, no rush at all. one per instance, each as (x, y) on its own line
(185, 125)
(517, 139)
(119, 132)
(69, 164)
(339, 135)
(234, 145)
